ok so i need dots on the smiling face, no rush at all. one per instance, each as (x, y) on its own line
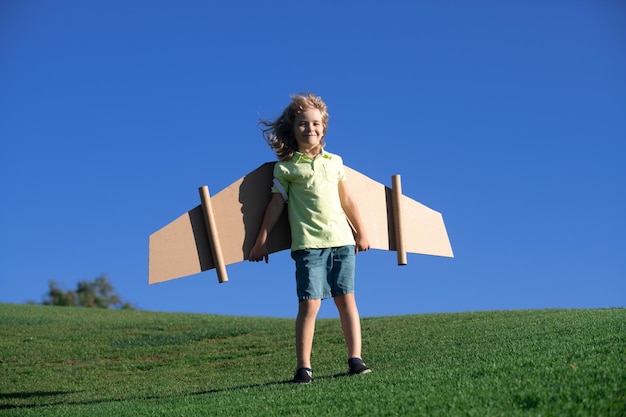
(309, 131)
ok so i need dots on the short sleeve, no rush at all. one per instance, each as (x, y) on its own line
(280, 179)
(341, 171)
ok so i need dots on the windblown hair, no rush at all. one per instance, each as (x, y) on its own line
(279, 134)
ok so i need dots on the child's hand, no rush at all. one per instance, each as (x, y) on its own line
(362, 243)
(258, 253)
(272, 213)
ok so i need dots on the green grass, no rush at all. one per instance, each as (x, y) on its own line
(58, 361)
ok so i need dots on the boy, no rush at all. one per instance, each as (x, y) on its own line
(312, 182)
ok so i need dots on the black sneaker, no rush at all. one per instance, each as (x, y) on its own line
(357, 367)
(303, 376)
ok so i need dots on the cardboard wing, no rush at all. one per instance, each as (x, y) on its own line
(223, 228)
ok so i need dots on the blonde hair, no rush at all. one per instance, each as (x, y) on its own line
(279, 134)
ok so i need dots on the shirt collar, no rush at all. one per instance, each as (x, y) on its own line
(298, 156)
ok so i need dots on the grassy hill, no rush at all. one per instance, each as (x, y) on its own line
(57, 361)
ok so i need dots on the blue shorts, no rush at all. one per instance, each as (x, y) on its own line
(324, 273)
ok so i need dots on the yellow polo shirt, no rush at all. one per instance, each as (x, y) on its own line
(315, 214)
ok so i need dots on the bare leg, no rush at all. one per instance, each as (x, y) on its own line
(305, 329)
(350, 323)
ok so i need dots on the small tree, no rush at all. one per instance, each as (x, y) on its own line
(58, 297)
(97, 293)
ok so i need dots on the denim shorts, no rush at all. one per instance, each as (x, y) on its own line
(324, 273)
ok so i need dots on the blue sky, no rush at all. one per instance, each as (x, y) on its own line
(509, 117)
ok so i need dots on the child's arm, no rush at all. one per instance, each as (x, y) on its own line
(352, 211)
(272, 213)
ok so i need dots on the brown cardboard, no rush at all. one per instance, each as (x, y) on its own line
(183, 247)
(398, 218)
(423, 228)
(212, 232)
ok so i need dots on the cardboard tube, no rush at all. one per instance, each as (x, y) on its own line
(396, 199)
(214, 240)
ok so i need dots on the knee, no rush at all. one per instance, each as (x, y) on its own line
(345, 302)
(309, 308)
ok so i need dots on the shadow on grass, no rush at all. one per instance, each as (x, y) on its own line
(29, 395)
(267, 384)
(25, 395)
(38, 395)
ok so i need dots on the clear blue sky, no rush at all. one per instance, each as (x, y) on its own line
(509, 117)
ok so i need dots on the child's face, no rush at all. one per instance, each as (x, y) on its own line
(309, 129)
